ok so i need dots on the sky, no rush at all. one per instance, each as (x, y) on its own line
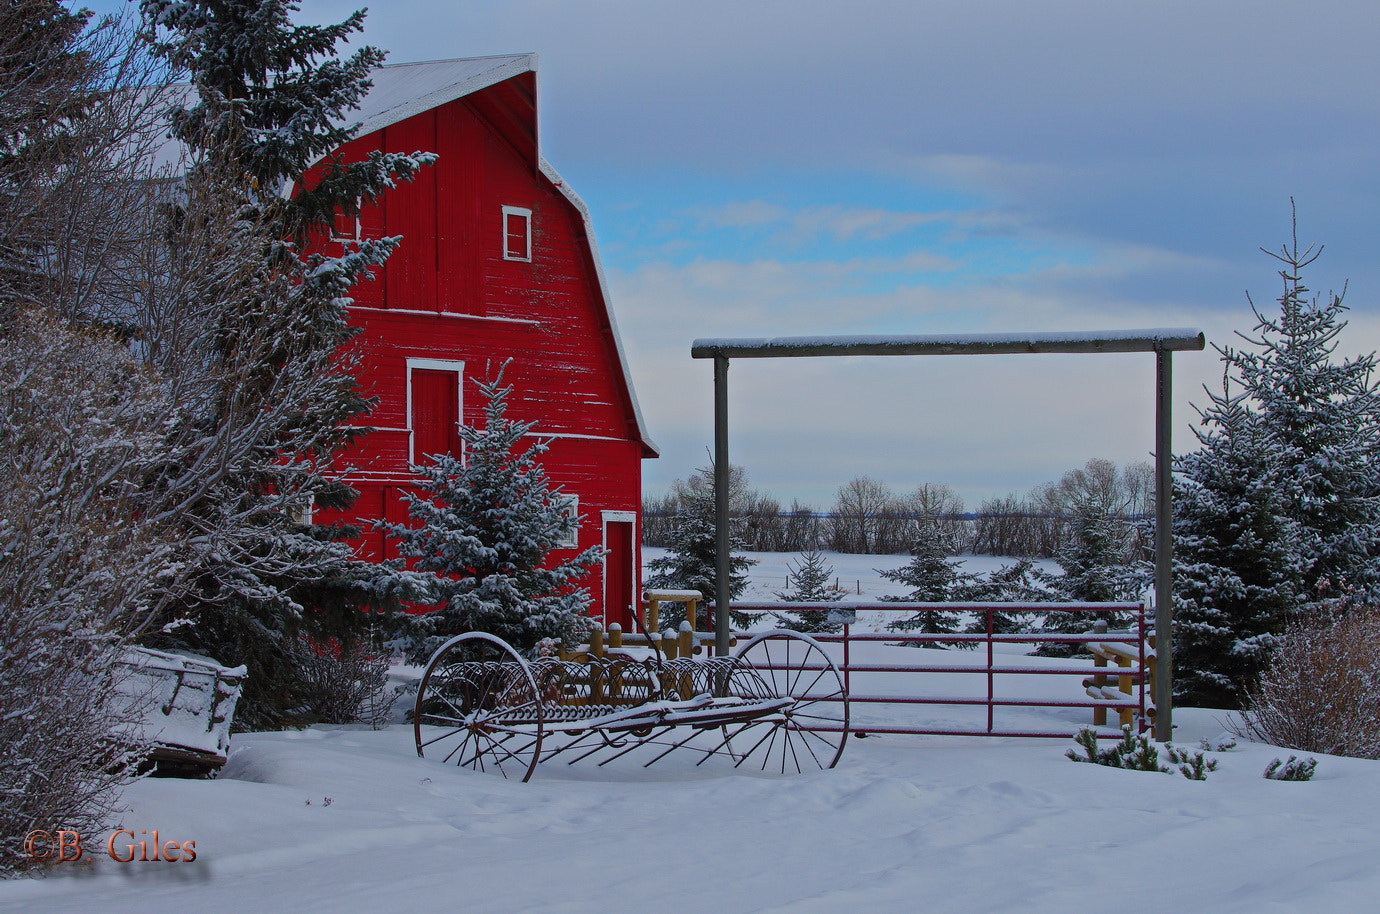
(790, 168)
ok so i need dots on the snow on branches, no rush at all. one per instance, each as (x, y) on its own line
(1279, 508)
(486, 523)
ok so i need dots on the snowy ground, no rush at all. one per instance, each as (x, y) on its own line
(856, 575)
(338, 819)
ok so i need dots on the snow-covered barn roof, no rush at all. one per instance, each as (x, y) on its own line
(403, 90)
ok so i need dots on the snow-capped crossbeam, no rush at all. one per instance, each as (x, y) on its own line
(1169, 339)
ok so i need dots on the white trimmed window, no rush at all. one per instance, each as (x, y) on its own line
(347, 230)
(517, 233)
(301, 512)
(571, 505)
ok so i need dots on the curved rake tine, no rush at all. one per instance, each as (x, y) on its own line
(770, 732)
(513, 756)
(502, 744)
(641, 741)
(671, 748)
(726, 742)
(604, 745)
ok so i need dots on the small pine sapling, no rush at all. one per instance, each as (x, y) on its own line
(1132, 752)
(1137, 753)
(933, 577)
(1292, 770)
(1193, 766)
(811, 574)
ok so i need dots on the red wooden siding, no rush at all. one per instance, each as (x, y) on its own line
(449, 296)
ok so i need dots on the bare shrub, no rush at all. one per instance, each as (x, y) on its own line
(61, 764)
(1321, 689)
(348, 684)
(80, 423)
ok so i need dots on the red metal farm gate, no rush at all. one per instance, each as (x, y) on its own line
(1097, 687)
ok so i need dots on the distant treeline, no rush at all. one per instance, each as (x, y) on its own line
(869, 517)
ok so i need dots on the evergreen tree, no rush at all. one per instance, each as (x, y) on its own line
(1021, 582)
(1279, 509)
(1092, 559)
(811, 574)
(1323, 419)
(270, 100)
(1236, 561)
(487, 524)
(933, 577)
(690, 562)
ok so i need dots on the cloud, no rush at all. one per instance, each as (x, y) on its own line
(985, 425)
(840, 223)
(887, 166)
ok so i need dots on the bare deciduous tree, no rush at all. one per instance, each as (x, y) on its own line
(858, 508)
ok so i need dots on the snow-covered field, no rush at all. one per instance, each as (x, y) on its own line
(340, 819)
(857, 575)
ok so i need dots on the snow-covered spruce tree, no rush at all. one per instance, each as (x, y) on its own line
(690, 562)
(1094, 567)
(1237, 561)
(810, 573)
(1279, 509)
(1021, 582)
(279, 401)
(487, 524)
(1323, 418)
(933, 576)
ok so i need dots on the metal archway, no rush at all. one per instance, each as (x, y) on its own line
(1162, 342)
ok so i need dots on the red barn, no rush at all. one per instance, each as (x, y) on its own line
(498, 262)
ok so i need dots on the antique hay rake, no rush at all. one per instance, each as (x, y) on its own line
(777, 705)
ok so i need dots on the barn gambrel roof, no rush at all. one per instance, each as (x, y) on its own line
(403, 90)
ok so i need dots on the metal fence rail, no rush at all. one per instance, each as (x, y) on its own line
(1132, 678)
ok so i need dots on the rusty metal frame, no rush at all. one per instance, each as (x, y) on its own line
(1162, 342)
(483, 706)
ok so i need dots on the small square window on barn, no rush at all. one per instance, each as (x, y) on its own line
(517, 233)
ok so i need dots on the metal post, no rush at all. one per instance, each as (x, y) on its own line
(1164, 551)
(721, 554)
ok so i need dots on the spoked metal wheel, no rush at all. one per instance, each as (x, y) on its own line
(806, 735)
(479, 707)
